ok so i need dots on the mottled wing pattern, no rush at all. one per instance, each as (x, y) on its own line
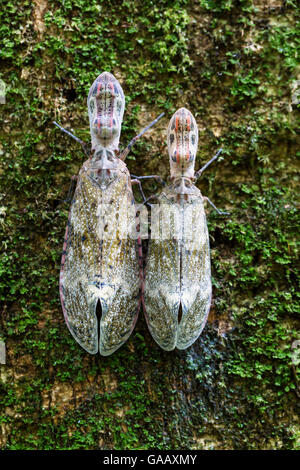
(78, 307)
(162, 279)
(100, 261)
(195, 274)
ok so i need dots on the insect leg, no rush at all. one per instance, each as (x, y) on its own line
(199, 172)
(218, 211)
(127, 149)
(86, 147)
(158, 178)
(72, 186)
(154, 196)
(136, 181)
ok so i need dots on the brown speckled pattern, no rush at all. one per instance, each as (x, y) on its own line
(178, 265)
(100, 260)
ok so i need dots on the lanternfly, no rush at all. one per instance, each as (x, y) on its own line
(101, 263)
(178, 277)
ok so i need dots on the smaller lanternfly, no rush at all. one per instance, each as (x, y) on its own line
(101, 262)
(178, 277)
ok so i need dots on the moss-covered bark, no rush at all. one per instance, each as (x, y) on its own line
(235, 65)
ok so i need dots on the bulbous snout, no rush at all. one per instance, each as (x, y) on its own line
(107, 76)
(182, 143)
(106, 103)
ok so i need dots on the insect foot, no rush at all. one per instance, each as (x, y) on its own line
(178, 274)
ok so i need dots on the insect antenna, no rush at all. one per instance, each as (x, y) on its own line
(127, 149)
(86, 147)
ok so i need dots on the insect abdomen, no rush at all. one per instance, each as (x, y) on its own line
(178, 275)
(101, 261)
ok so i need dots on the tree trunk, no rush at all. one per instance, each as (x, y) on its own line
(234, 65)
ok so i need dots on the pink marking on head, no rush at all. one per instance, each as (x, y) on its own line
(182, 143)
(112, 107)
(107, 113)
(188, 123)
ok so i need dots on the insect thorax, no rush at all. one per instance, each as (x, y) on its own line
(182, 189)
(105, 167)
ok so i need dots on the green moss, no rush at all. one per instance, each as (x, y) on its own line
(234, 65)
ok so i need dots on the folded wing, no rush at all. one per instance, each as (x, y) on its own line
(178, 274)
(100, 263)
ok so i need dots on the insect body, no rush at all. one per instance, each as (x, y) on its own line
(178, 277)
(100, 262)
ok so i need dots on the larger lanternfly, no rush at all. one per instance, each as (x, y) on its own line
(101, 262)
(178, 279)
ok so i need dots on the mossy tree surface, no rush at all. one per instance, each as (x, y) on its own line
(235, 65)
